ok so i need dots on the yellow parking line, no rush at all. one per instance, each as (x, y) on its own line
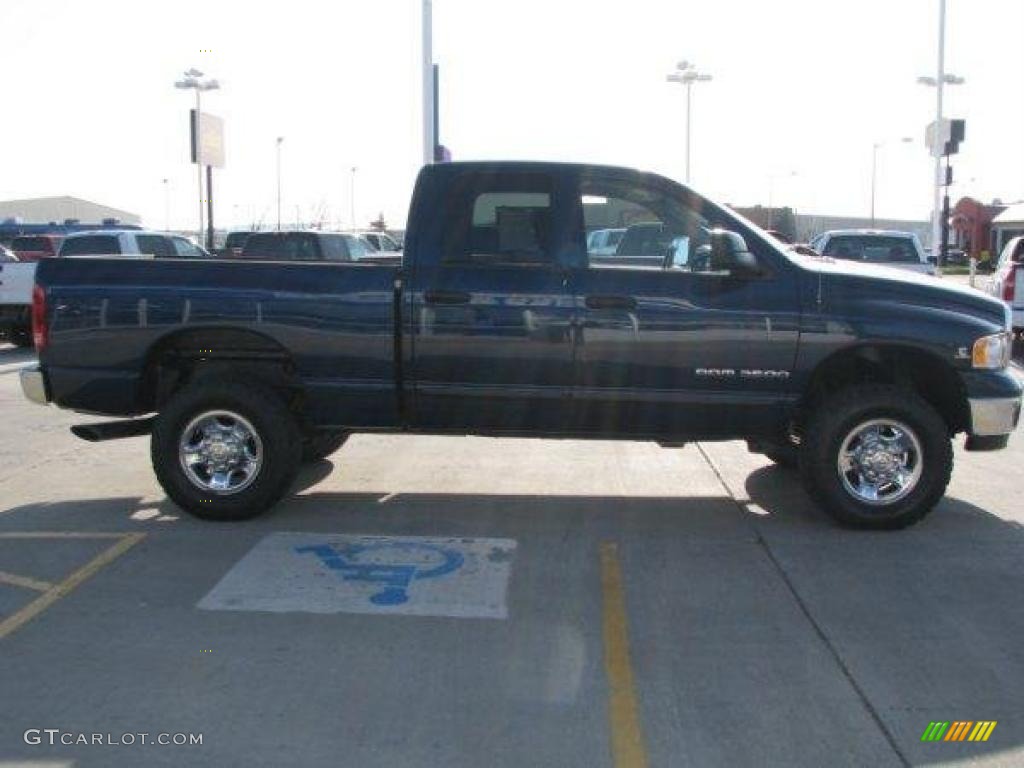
(55, 593)
(623, 713)
(27, 582)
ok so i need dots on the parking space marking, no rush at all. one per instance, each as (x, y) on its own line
(14, 580)
(628, 749)
(334, 573)
(125, 542)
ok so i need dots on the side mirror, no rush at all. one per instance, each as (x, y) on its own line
(729, 253)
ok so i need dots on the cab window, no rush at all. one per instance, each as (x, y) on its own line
(499, 219)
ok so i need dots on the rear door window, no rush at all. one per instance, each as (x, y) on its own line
(186, 249)
(156, 245)
(91, 245)
(502, 218)
(282, 246)
(335, 248)
(32, 244)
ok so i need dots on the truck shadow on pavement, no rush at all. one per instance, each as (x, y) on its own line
(911, 626)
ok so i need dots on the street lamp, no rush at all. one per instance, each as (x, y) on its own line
(167, 206)
(192, 81)
(279, 140)
(874, 170)
(940, 80)
(687, 74)
(352, 199)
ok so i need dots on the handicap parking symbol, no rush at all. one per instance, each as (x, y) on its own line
(392, 564)
(457, 577)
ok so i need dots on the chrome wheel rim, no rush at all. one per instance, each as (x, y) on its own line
(220, 452)
(880, 461)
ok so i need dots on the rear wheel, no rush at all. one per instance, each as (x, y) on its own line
(876, 457)
(225, 449)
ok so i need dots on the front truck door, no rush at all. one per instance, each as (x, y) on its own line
(666, 347)
(490, 308)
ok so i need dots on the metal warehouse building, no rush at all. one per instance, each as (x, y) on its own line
(43, 210)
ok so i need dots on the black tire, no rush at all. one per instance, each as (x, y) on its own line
(320, 445)
(21, 337)
(836, 417)
(271, 421)
(785, 455)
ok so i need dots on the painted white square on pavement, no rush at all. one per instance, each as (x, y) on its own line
(329, 573)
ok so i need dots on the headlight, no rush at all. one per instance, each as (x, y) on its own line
(992, 352)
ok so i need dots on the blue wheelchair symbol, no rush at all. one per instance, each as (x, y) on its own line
(417, 561)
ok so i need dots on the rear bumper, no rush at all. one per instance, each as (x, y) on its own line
(33, 384)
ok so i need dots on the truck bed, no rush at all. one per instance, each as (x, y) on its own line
(334, 322)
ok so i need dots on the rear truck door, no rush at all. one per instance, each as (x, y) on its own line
(490, 311)
(666, 347)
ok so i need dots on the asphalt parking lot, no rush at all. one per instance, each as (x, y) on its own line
(604, 604)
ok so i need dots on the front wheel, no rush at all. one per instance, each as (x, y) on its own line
(876, 457)
(225, 449)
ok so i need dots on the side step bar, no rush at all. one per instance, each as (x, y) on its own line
(113, 430)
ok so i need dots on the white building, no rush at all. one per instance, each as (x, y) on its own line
(1007, 225)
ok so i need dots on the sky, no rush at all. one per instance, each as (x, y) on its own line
(801, 91)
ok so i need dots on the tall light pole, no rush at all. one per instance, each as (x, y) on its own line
(352, 198)
(429, 140)
(874, 170)
(941, 79)
(167, 206)
(192, 81)
(279, 140)
(686, 74)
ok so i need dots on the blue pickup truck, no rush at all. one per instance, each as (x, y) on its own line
(497, 321)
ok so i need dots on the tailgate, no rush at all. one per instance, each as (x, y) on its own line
(16, 281)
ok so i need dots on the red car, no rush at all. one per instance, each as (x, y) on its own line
(36, 247)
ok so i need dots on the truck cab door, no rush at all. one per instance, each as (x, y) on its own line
(669, 345)
(491, 313)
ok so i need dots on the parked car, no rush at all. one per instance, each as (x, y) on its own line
(1007, 282)
(234, 243)
(381, 241)
(497, 321)
(603, 242)
(302, 245)
(130, 242)
(901, 250)
(36, 247)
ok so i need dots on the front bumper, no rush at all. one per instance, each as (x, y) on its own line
(33, 384)
(994, 415)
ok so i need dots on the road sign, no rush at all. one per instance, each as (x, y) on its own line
(211, 139)
(944, 139)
